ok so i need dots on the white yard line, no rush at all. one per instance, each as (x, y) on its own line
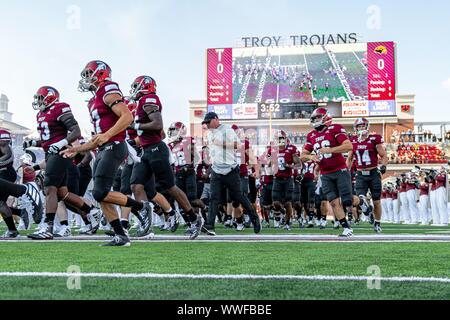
(220, 277)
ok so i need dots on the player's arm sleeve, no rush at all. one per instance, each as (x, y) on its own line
(72, 126)
(340, 134)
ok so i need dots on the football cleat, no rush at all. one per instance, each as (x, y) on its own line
(94, 218)
(118, 241)
(323, 224)
(337, 225)
(347, 233)
(10, 235)
(41, 235)
(31, 202)
(256, 224)
(165, 226)
(196, 228)
(365, 207)
(87, 230)
(146, 214)
(240, 227)
(287, 227)
(377, 229)
(173, 223)
(63, 232)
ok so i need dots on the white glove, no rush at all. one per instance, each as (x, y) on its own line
(56, 147)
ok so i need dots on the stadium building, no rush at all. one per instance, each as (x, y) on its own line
(265, 89)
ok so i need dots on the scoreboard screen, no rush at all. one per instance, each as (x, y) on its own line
(245, 83)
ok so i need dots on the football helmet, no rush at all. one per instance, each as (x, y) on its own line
(361, 127)
(45, 97)
(93, 75)
(281, 138)
(321, 118)
(5, 136)
(141, 86)
(177, 131)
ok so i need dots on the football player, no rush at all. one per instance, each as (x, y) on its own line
(369, 151)
(266, 187)
(7, 173)
(329, 141)
(246, 161)
(110, 117)
(308, 188)
(57, 128)
(155, 160)
(29, 196)
(283, 158)
(186, 156)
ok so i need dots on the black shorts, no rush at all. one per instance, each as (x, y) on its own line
(56, 167)
(296, 194)
(283, 190)
(308, 192)
(370, 180)
(253, 194)
(8, 174)
(73, 179)
(338, 185)
(187, 182)
(266, 195)
(107, 163)
(155, 161)
(117, 180)
(125, 178)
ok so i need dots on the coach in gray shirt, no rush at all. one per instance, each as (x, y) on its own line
(223, 143)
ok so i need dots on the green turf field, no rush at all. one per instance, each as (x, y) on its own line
(427, 260)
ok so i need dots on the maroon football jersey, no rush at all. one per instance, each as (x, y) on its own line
(402, 187)
(243, 159)
(308, 170)
(284, 158)
(441, 180)
(147, 137)
(331, 137)
(102, 116)
(424, 189)
(365, 152)
(395, 195)
(181, 152)
(50, 127)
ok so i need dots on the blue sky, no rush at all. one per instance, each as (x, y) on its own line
(166, 39)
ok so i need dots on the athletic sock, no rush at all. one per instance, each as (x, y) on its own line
(344, 223)
(117, 226)
(240, 220)
(10, 223)
(135, 206)
(125, 224)
(377, 223)
(49, 220)
(64, 223)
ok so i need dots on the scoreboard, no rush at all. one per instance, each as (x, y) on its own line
(288, 82)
